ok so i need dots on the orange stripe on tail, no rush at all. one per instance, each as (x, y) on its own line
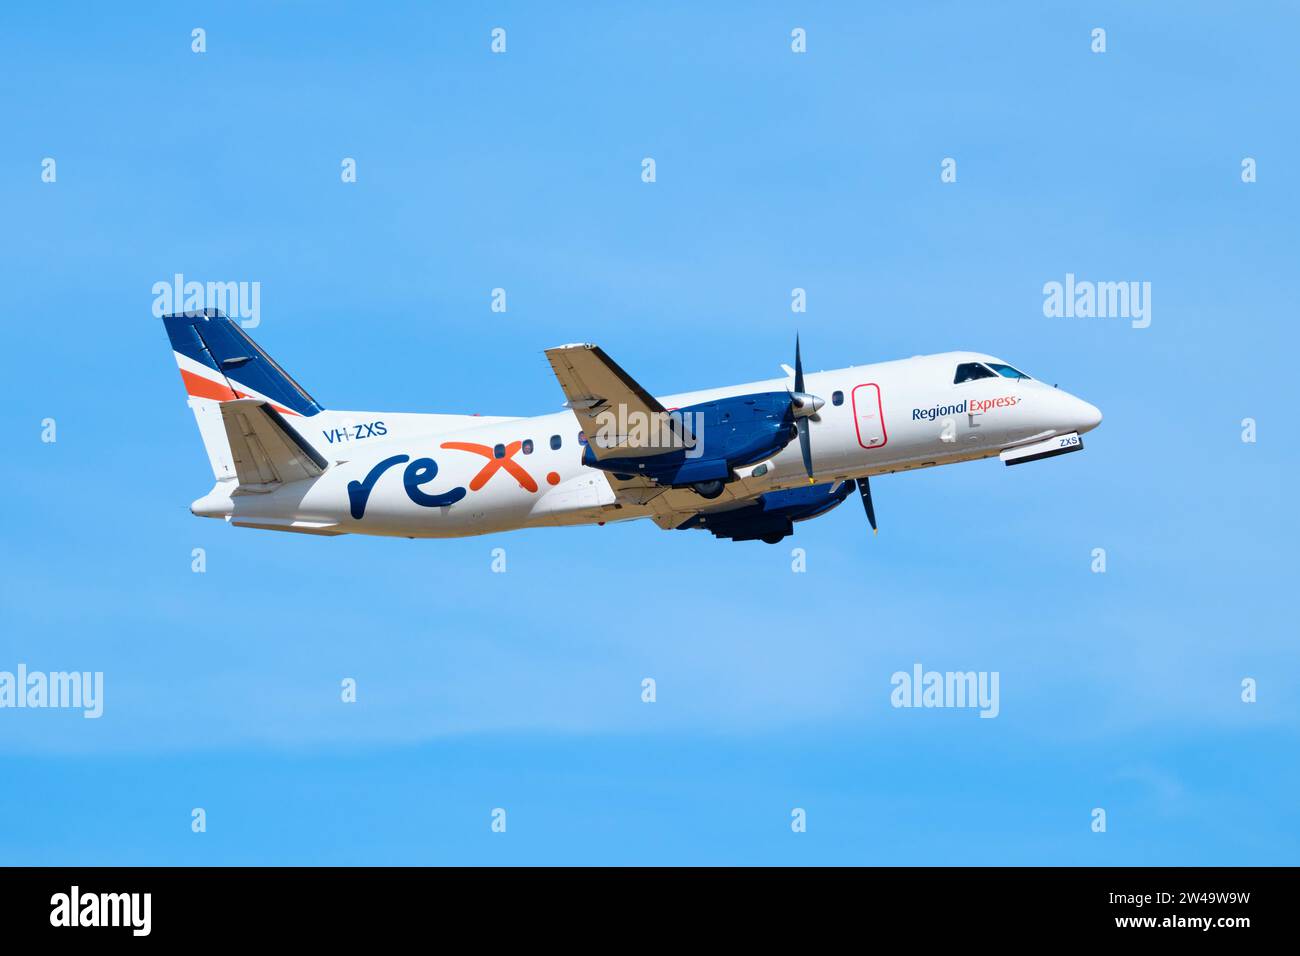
(199, 387)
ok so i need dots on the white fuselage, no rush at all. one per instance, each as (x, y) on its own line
(879, 418)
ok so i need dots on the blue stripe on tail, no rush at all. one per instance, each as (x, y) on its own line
(211, 339)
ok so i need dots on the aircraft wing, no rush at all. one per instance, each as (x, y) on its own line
(619, 418)
(267, 452)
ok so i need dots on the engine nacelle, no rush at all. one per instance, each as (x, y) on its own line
(730, 433)
(772, 516)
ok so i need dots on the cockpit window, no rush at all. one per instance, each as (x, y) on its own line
(970, 371)
(1006, 371)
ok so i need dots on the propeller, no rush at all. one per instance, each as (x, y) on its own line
(803, 406)
(864, 486)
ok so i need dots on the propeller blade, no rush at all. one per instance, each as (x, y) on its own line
(798, 367)
(864, 486)
(805, 446)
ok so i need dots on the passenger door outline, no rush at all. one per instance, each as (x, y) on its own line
(867, 408)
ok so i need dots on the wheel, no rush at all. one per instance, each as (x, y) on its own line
(773, 538)
(708, 489)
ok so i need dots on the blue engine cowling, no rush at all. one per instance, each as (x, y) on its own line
(734, 432)
(772, 516)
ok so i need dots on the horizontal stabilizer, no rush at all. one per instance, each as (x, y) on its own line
(325, 528)
(267, 452)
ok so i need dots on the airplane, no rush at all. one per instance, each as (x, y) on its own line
(744, 462)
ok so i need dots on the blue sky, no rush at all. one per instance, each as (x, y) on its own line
(774, 170)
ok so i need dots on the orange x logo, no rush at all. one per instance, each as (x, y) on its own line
(495, 464)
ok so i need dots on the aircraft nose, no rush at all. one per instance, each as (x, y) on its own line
(1087, 416)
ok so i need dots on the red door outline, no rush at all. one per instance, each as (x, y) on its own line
(880, 410)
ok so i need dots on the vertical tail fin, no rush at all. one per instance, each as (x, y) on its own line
(219, 362)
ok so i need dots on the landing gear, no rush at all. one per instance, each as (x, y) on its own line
(709, 489)
(774, 538)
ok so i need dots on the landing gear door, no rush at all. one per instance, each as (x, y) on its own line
(869, 416)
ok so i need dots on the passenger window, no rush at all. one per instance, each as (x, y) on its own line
(582, 438)
(555, 443)
(528, 446)
(498, 451)
(970, 371)
(837, 398)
